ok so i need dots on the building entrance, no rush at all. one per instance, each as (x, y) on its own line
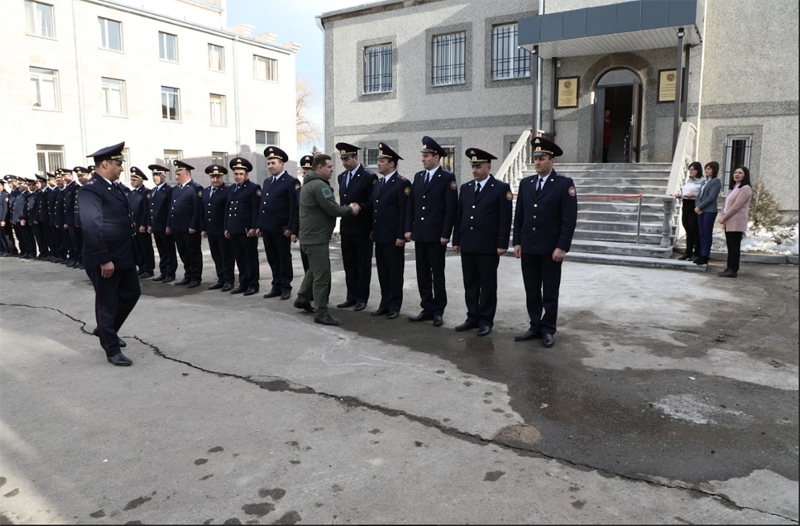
(617, 117)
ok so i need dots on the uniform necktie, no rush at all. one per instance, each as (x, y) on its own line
(477, 189)
(347, 181)
(539, 185)
(212, 192)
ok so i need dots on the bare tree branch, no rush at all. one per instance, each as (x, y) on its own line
(307, 132)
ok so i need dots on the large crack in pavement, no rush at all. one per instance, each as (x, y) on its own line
(279, 384)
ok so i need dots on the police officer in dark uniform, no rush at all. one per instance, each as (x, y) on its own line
(4, 240)
(19, 217)
(159, 203)
(215, 201)
(47, 202)
(305, 166)
(482, 228)
(355, 186)
(83, 175)
(108, 251)
(544, 221)
(143, 242)
(389, 201)
(37, 212)
(185, 223)
(429, 222)
(58, 214)
(275, 219)
(70, 193)
(241, 220)
(13, 182)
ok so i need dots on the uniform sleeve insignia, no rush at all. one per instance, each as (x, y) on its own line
(258, 192)
(453, 185)
(147, 196)
(199, 193)
(327, 193)
(407, 190)
(297, 186)
(509, 195)
(572, 191)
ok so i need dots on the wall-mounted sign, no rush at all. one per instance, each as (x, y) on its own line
(567, 95)
(666, 85)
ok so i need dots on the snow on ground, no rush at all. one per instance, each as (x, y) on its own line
(762, 242)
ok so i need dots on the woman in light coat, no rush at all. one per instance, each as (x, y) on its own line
(734, 217)
(705, 206)
(688, 217)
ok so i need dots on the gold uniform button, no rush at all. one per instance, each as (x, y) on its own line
(535, 206)
(377, 200)
(422, 219)
(534, 217)
(534, 229)
(423, 208)
(472, 228)
(473, 206)
(472, 217)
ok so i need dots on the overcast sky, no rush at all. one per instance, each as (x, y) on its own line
(294, 21)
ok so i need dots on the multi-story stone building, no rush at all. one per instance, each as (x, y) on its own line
(165, 76)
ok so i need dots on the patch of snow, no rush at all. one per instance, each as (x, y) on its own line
(760, 241)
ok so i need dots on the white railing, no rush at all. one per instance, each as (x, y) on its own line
(685, 154)
(511, 171)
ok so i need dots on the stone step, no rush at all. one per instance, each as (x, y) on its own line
(620, 249)
(632, 260)
(619, 217)
(627, 206)
(584, 174)
(617, 227)
(617, 237)
(649, 181)
(632, 167)
(609, 189)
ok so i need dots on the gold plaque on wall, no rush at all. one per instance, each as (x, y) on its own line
(567, 93)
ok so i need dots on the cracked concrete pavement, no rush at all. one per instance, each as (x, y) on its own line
(669, 397)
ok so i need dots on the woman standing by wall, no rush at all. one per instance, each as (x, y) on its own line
(734, 217)
(705, 206)
(688, 215)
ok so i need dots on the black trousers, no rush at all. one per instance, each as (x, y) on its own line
(390, 261)
(245, 252)
(49, 239)
(734, 242)
(167, 258)
(27, 246)
(689, 221)
(222, 254)
(191, 253)
(430, 276)
(114, 299)
(41, 239)
(279, 256)
(480, 287)
(7, 239)
(542, 278)
(357, 260)
(143, 252)
(60, 241)
(76, 243)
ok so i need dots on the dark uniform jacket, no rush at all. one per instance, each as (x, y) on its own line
(214, 208)
(43, 206)
(242, 208)
(431, 211)
(159, 208)
(58, 212)
(137, 202)
(186, 208)
(278, 204)
(483, 224)
(107, 225)
(19, 210)
(545, 223)
(4, 209)
(53, 203)
(389, 202)
(33, 205)
(70, 195)
(358, 191)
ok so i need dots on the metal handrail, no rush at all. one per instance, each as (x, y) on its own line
(516, 160)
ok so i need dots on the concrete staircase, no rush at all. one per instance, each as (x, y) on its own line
(607, 224)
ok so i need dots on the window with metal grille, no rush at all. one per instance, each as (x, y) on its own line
(114, 96)
(449, 59)
(265, 68)
(220, 158)
(44, 84)
(268, 137)
(508, 60)
(378, 69)
(371, 157)
(169, 156)
(448, 163)
(737, 153)
(170, 104)
(216, 57)
(167, 47)
(218, 113)
(110, 34)
(39, 18)
(49, 157)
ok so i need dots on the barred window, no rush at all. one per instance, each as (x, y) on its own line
(737, 153)
(371, 157)
(268, 137)
(508, 60)
(49, 157)
(449, 162)
(449, 52)
(378, 69)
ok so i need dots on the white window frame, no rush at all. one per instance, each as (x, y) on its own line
(110, 85)
(104, 25)
(169, 94)
(169, 156)
(220, 158)
(270, 66)
(729, 167)
(163, 49)
(38, 30)
(49, 157)
(378, 65)
(371, 154)
(448, 162)
(453, 56)
(211, 57)
(216, 99)
(267, 134)
(37, 76)
(511, 54)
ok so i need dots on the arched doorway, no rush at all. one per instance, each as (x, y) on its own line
(620, 92)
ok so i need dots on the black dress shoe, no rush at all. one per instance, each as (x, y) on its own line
(286, 294)
(422, 316)
(548, 340)
(120, 360)
(326, 320)
(392, 315)
(701, 261)
(272, 294)
(96, 332)
(345, 304)
(361, 305)
(305, 305)
(193, 284)
(685, 257)
(80, 266)
(438, 321)
(467, 325)
(226, 287)
(184, 281)
(238, 290)
(483, 330)
(168, 279)
(380, 312)
(217, 285)
(728, 273)
(146, 274)
(160, 277)
(527, 335)
(250, 291)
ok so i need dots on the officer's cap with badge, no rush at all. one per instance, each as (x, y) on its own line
(51, 176)
(157, 169)
(80, 170)
(544, 146)
(180, 165)
(306, 161)
(385, 152)
(109, 153)
(346, 150)
(273, 152)
(91, 168)
(216, 170)
(478, 156)
(10, 178)
(136, 173)
(432, 147)
(41, 178)
(240, 163)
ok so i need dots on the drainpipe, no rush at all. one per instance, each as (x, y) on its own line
(539, 80)
(676, 116)
(536, 116)
(80, 81)
(553, 95)
(685, 103)
(236, 97)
